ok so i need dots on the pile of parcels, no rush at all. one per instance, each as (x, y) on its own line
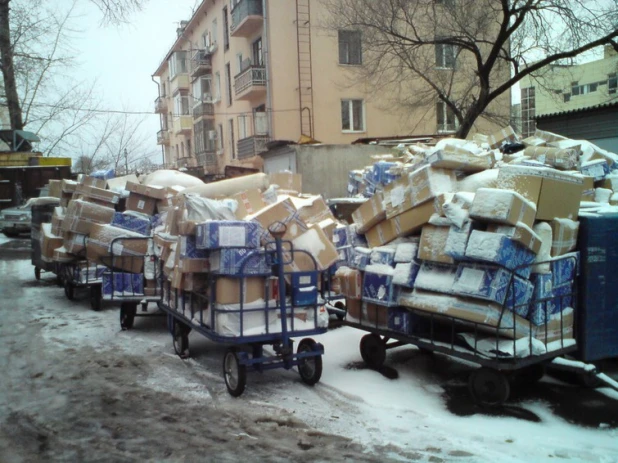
(482, 230)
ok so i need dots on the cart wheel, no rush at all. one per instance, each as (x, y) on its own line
(37, 273)
(372, 350)
(59, 281)
(95, 297)
(531, 374)
(127, 315)
(181, 339)
(234, 372)
(589, 379)
(69, 290)
(310, 368)
(489, 387)
(341, 306)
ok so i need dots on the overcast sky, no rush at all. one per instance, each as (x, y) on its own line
(123, 58)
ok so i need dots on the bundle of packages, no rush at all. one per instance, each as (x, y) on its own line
(482, 230)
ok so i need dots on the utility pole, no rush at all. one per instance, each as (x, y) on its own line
(126, 162)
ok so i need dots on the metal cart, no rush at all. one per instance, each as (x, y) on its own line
(124, 279)
(279, 320)
(491, 346)
(41, 214)
(82, 274)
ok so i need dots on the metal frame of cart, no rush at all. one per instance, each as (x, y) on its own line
(41, 214)
(79, 274)
(490, 384)
(247, 350)
(117, 264)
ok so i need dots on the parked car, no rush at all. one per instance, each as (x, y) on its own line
(15, 220)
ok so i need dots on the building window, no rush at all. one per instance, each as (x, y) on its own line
(189, 153)
(446, 55)
(214, 30)
(447, 3)
(350, 48)
(202, 90)
(612, 84)
(163, 90)
(178, 63)
(242, 126)
(232, 141)
(163, 121)
(445, 118)
(182, 149)
(352, 116)
(260, 121)
(217, 86)
(258, 58)
(528, 111)
(567, 97)
(181, 105)
(584, 89)
(226, 30)
(220, 138)
(228, 83)
(239, 63)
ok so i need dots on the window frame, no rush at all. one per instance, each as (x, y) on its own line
(349, 42)
(350, 105)
(444, 112)
(441, 56)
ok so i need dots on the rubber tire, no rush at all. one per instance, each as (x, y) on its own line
(234, 374)
(37, 273)
(531, 374)
(180, 339)
(59, 281)
(10, 234)
(373, 350)
(127, 315)
(95, 297)
(341, 306)
(489, 387)
(310, 368)
(589, 380)
(69, 290)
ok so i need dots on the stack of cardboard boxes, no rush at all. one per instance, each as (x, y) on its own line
(462, 229)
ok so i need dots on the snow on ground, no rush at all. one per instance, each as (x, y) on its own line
(408, 415)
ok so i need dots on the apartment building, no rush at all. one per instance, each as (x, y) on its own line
(245, 72)
(568, 88)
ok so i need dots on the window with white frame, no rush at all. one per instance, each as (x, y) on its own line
(220, 138)
(445, 116)
(181, 105)
(178, 63)
(213, 32)
(228, 83)
(350, 48)
(239, 63)
(528, 111)
(232, 141)
(583, 89)
(446, 55)
(242, 126)
(352, 116)
(260, 121)
(206, 40)
(202, 90)
(612, 83)
(217, 94)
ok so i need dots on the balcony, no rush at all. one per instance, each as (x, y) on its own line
(206, 159)
(163, 137)
(250, 83)
(252, 146)
(247, 18)
(180, 82)
(183, 124)
(201, 64)
(203, 110)
(161, 105)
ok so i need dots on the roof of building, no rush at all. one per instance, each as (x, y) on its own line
(611, 104)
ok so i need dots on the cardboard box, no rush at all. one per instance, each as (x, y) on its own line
(488, 317)
(588, 189)
(75, 243)
(61, 255)
(433, 244)
(282, 211)
(88, 180)
(187, 247)
(405, 274)
(81, 216)
(287, 181)
(192, 265)
(68, 186)
(436, 277)
(534, 141)
(555, 193)
(317, 244)
(375, 314)
(119, 284)
(312, 209)
(49, 242)
(564, 233)
(361, 258)
(228, 290)
(381, 234)
(140, 203)
(543, 304)
(156, 192)
(55, 188)
(105, 196)
(406, 252)
(304, 288)
(249, 202)
(132, 221)
(196, 283)
(217, 234)
(559, 327)
(128, 254)
(351, 282)
(548, 136)
(598, 168)
(505, 135)
(233, 261)
(427, 183)
(502, 206)
(611, 183)
(369, 214)
(562, 159)
(494, 284)
(65, 199)
(354, 309)
(328, 227)
(177, 279)
(56, 223)
(521, 233)
(499, 249)
(382, 255)
(565, 269)
(465, 162)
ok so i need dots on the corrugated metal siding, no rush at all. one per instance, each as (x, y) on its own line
(591, 125)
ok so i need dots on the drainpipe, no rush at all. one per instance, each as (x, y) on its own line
(266, 53)
(159, 94)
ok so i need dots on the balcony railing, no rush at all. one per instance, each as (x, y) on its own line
(160, 105)
(183, 124)
(252, 146)
(206, 159)
(163, 137)
(201, 63)
(247, 17)
(254, 77)
(203, 109)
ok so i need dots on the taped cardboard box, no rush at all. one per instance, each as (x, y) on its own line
(432, 246)
(65, 199)
(192, 265)
(533, 141)
(351, 282)
(505, 135)
(383, 233)
(488, 317)
(369, 214)
(156, 192)
(428, 183)
(55, 188)
(99, 194)
(378, 286)
(177, 279)
(228, 290)
(249, 202)
(128, 253)
(81, 216)
(317, 244)
(502, 206)
(287, 181)
(61, 255)
(563, 159)
(555, 193)
(68, 186)
(414, 219)
(564, 233)
(549, 137)
(588, 189)
(132, 221)
(374, 315)
(282, 211)
(141, 203)
(597, 168)
(521, 233)
(463, 161)
(217, 234)
(96, 182)
(497, 248)
(239, 261)
(75, 243)
(49, 242)
(196, 282)
(559, 327)
(56, 223)
(312, 209)
(354, 309)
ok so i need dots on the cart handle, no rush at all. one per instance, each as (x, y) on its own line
(277, 229)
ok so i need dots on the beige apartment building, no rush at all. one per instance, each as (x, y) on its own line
(567, 88)
(245, 72)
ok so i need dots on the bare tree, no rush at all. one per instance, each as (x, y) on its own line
(464, 54)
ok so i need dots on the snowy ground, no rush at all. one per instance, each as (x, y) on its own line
(75, 387)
